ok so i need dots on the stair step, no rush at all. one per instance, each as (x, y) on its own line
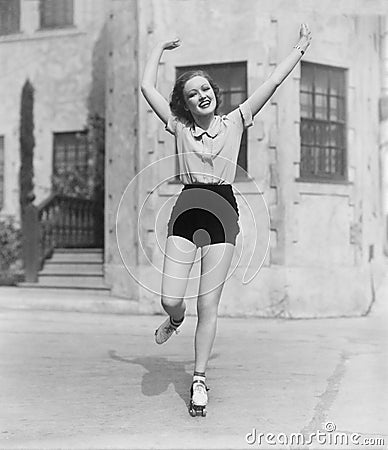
(70, 257)
(72, 268)
(52, 268)
(78, 250)
(72, 281)
(75, 276)
(73, 288)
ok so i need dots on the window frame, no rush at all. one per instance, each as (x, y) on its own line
(82, 133)
(241, 172)
(340, 152)
(2, 170)
(14, 15)
(45, 24)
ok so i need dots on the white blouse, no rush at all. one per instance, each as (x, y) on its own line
(210, 156)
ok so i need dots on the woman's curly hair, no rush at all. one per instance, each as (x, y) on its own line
(177, 101)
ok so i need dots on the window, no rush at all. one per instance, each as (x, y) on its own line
(1, 171)
(323, 123)
(56, 13)
(232, 81)
(71, 153)
(9, 16)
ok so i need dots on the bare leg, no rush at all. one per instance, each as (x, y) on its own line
(178, 261)
(216, 259)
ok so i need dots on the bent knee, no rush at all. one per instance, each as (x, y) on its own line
(171, 302)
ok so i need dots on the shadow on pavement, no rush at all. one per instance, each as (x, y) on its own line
(161, 372)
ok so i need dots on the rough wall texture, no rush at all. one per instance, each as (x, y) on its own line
(324, 237)
(64, 66)
(121, 149)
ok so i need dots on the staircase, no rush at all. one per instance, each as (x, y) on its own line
(72, 268)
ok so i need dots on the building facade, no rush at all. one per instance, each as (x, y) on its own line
(310, 182)
(60, 48)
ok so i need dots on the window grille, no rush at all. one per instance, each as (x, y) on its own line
(71, 152)
(9, 16)
(56, 13)
(323, 122)
(1, 172)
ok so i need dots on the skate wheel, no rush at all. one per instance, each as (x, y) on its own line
(192, 411)
(197, 411)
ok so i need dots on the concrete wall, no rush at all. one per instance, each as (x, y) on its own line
(326, 238)
(322, 234)
(122, 150)
(384, 123)
(65, 66)
(332, 230)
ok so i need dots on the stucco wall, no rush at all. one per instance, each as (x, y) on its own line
(326, 238)
(335, 230)
(320, 233)
(122, 151)
(64, 67)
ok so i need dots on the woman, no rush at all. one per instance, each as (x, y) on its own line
(205, 214)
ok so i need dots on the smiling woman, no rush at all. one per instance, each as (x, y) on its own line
(205, 214)
(193, 90)
(188, 87)
(231, 91)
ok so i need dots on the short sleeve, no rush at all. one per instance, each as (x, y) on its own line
(246, 114)
(172, 124)
(242, 116)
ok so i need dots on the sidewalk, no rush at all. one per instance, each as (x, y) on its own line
(98, 381)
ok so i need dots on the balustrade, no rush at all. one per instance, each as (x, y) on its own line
(58, 222)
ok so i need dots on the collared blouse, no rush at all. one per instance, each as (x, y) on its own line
(210, 156)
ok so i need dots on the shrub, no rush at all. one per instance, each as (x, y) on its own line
(10, 252)
(70, 181)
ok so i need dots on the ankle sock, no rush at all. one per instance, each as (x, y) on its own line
(176, 323)
(199, 376)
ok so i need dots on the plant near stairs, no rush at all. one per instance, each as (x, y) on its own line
(71, 182)
(10, 252)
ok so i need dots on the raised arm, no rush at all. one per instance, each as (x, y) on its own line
(260, 97)
(148, 85)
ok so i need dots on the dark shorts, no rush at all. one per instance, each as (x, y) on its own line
(205, 214)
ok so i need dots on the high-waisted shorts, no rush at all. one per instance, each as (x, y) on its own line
(205, 214)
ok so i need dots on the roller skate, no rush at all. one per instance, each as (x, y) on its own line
(166, 330)
(199, 398)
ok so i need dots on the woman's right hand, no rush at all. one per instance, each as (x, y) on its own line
(304, 36)
(171, 45)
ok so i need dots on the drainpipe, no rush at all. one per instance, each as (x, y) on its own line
(384, 123)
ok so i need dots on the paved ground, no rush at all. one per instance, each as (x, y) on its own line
(88, 380)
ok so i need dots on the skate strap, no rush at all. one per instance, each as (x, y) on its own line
(176, 323)
(200, 382)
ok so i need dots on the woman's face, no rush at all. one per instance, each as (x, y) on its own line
(199, 96)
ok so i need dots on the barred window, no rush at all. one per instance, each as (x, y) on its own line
(9, 16)
(1, 172)
(56, 13)
(231, 78)
(323, 122)
(70, 152)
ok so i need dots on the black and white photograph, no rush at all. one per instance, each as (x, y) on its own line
(193, 224)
